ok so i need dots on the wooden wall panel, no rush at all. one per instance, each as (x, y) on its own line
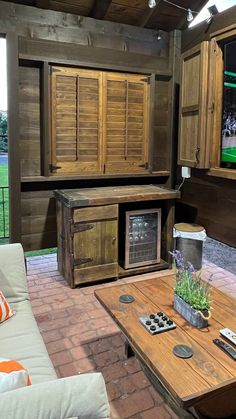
(56, 38)
(38, 223)
(29, 113)
(162, 120)
(210, 202)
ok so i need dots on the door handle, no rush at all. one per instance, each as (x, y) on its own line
(197, 155)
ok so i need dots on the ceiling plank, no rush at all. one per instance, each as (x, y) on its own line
(100, 8)
(147, 15)
(43, 4)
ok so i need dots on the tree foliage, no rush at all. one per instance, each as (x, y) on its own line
(3, 132)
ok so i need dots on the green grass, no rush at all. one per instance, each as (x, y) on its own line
(3, 175)
(4, 182)
(41, 252)
(229, 155)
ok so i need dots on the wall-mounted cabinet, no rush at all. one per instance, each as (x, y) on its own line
(99, 122)
(207, 129)
(193, 108)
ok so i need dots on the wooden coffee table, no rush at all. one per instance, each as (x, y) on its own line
(207, 381)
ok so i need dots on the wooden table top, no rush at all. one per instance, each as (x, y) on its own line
(209, 372)
(114, 194)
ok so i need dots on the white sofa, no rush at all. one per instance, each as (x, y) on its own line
(82, 396)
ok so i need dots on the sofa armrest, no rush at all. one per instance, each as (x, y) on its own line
(13, 282)
(82, 396)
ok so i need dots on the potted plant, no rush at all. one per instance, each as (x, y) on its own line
(192, 294)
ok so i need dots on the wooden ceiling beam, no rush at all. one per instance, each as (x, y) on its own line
(99, 9)
(42, 4)
(148, 14)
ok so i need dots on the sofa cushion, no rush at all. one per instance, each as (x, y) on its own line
(21, 340)
(12, 273)
(77, 397)
(12, 375)
(5, 309)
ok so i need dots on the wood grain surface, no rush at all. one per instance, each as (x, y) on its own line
(196, 381)
(108, 195)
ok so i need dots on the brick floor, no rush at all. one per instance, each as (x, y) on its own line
(81, 337)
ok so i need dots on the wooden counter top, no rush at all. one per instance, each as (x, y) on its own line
(72, 198)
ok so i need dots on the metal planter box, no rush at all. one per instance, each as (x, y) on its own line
(190, 314)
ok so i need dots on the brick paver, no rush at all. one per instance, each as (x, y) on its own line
(80, 336)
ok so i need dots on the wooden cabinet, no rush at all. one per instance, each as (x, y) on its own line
(89, 225)
(126, 123)
(76, 111)
(94, 243)
(99, 122)
(87, 243)
(193, 140)
(205, 141)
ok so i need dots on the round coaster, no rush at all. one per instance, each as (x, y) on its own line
(126, 298)
(183, 351)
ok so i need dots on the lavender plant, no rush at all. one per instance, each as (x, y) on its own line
(189, 284)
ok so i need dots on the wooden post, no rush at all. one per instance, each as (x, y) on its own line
(13, 137)
(44, 119)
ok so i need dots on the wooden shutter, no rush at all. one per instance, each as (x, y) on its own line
(126, 123)
(193, 108)
(76, 116)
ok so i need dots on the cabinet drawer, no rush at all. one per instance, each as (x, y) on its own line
(106, 212)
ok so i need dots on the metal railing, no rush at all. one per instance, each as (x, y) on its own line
(4, 216)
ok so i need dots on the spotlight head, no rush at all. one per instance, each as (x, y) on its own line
(151, 3)
(189, 15)
(213, 10)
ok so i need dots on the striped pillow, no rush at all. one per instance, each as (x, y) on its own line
(5, 310)
(12, 375)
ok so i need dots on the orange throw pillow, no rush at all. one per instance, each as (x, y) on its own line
(12, 375)
(5, 309)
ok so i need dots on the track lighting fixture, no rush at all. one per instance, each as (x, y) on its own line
(151, 3)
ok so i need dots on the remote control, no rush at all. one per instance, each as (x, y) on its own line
(225, 347)
(229, 334)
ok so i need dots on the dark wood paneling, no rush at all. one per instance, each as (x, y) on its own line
(161, 140)
(164, 15)
(210, 202)
(13, 136)
(45, 117)
(80, 55)
(98, 44)
(29, 114)
(38, 221)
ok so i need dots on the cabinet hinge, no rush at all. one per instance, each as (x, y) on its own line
(79, 227)
(52, 168)
(82, 261)
(147, 80)
(54, 70)
(146, 165)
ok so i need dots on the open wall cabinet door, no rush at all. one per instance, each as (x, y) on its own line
(193, 140)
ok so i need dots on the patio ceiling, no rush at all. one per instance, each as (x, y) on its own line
(133, 12)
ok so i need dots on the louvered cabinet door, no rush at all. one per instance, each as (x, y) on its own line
(76, 121)
(125, 123)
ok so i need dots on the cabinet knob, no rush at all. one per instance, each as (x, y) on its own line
(113, 240)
